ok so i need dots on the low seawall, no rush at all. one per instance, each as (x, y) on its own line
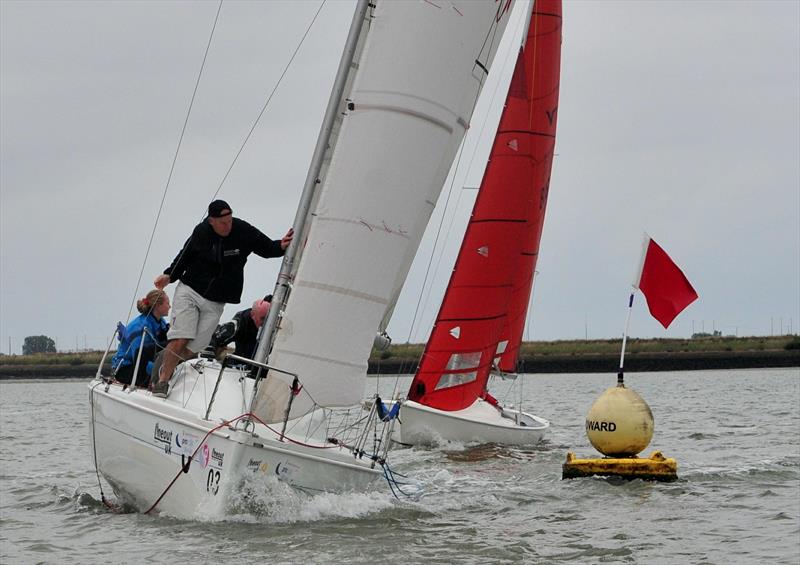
(594, 363)
(634, 362)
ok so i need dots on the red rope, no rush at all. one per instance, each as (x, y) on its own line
(199, 445)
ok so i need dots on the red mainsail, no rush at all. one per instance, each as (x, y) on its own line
(483, 313)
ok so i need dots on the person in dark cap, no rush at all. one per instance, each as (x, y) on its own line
(210, 271)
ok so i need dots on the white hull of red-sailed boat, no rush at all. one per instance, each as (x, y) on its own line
(401, 103)
(177, 457)
(478, 330)
(479, 423)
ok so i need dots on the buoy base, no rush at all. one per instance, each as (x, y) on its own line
(656, 468)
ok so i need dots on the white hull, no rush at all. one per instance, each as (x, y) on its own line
(141, 441)
(479, 423)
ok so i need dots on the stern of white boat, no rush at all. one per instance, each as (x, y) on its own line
(479, 423)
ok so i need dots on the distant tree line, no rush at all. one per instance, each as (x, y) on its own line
(38, 344)
(716, 333)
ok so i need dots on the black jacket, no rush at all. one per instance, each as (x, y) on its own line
(213, 266)
(242, 329)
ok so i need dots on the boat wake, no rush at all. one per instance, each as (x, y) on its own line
(273, 501)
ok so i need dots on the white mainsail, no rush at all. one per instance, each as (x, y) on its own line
(412, 89)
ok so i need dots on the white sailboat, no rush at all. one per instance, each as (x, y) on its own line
(401, 103)
(479, 327)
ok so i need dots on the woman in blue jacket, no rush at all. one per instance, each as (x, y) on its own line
(148, 330)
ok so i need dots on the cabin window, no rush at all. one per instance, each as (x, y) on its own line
(463, 361)
(460, 362)
(501, 348)
(454, 379)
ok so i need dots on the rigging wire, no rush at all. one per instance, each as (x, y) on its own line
(241, 148)
(174, 159)
(269, 99)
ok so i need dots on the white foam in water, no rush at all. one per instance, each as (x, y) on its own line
(443, 478)
(267, 499)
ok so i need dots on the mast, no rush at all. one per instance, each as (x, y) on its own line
(281, 293)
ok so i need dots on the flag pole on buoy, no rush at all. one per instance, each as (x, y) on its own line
(634, 286)
(620, 373)
(620, 424)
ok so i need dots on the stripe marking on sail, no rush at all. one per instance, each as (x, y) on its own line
(304, 355)
(342, 291)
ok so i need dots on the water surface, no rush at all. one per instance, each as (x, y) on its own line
(735, 434)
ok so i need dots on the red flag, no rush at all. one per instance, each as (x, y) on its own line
(664, 285)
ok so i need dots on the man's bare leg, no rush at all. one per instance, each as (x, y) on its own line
(174, 353)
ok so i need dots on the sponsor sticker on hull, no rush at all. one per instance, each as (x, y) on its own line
(186, 443)
(164, 437)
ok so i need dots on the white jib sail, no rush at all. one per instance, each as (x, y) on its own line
(411, 98)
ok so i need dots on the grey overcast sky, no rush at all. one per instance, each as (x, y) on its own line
(679, 119)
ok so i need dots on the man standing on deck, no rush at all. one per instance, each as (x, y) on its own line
(210, 268)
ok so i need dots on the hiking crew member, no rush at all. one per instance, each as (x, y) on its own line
(148, 332)
(210, 268)
(242, 329)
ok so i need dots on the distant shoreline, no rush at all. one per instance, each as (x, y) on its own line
(573, 363)
(634, 362)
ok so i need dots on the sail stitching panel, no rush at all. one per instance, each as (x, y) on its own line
(305, 355)
(477, 319)
(342, 291)
(414, 114)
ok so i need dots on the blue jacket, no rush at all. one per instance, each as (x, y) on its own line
(130, 342)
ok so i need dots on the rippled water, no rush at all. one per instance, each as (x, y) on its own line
(735, 434)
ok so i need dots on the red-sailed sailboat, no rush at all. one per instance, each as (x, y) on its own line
(479, 327)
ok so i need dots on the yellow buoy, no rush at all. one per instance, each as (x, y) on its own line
(656, 468)
(619, 423)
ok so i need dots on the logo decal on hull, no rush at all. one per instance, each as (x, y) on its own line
(285, 471)
(255, 465)
(217, 458)
(163, 437)
(186, 443)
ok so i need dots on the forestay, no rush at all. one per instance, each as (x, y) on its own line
(415, 81)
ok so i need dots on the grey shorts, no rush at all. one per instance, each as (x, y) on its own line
(193, 317)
